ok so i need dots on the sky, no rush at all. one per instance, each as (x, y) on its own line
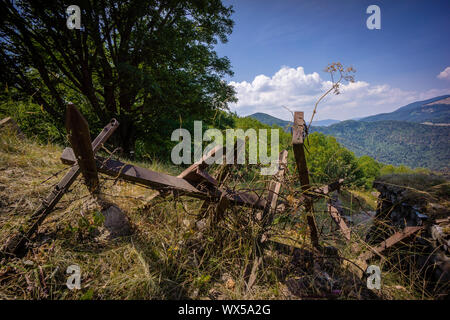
(279, 50)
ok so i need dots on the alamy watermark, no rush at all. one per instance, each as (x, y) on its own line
(74, 281)
(374, 278)
(74, 17)
(374, 20)
(257, 146)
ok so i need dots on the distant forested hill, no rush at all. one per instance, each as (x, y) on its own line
(395, 142)
(436, 110)
(269, 120)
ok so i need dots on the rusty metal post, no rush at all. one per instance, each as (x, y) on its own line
(17, 242)
(300, 159)
(80, 140)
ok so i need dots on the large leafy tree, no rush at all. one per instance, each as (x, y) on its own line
(147, 63)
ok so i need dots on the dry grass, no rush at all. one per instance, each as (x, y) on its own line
(169, 255)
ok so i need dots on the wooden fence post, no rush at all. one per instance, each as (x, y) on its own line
(299, 153)
(18, 241)
(80, 140)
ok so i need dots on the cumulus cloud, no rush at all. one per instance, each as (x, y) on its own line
(297, 90)
(445, 75)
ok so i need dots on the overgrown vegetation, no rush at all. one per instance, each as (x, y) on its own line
(172, 254)
(151, 65)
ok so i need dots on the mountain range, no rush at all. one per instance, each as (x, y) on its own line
(431, 111)
(415, 135)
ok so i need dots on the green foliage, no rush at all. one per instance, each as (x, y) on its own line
(146, 63)
(32, 119)
(370, 170)
(328, 161)
(395, 142)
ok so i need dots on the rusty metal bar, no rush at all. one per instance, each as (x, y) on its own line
(136, 174)
(334, 213)
(17, 243)
(389, 242)
(163, 181)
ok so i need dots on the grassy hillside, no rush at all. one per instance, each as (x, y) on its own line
(172, 253)
(395, 142)
(435, 110)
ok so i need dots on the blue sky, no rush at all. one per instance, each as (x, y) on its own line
(278, 50)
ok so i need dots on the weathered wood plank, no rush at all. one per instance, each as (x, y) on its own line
(300, 159)
(190, 173)
(334, 213)
(297, 129)
(268, 213)
(275, 184)
(389, 242)
(80, 139)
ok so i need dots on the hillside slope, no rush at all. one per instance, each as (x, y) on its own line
(395, 142)
(173, 253)
(435, 110)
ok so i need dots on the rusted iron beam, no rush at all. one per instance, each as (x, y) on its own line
(222, 206)
(334, 213)
(132, 173)
(300, 159)
(161, 181)
(16, 244)
(389, 242)
(190, 173)
(80, 140)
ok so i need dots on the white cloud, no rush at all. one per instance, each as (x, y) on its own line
(445, 75)
(297, 90)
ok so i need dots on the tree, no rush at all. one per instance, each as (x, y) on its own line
(328, 161)
(147, 63)
(370, 169)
